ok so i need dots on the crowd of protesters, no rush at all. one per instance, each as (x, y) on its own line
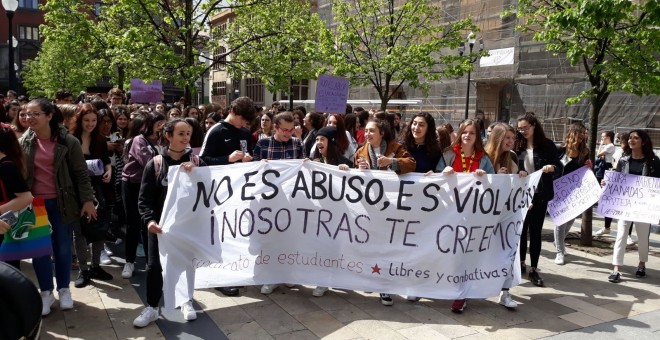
(46, 145)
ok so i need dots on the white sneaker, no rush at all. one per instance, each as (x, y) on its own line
(188, 311)
(105, 259)
(319, 291)
(269, 288)
(630, 241)
(148, 315)
(66, 302)
(506, 300)
(108, 250)
(127, 272)
(386, 299)
(559, 259)
(47, 300)
(602, 232)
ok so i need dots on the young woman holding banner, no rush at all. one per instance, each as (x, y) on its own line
(381, 152)
(420, 139)
(501, 140)
(466, 154)
(638, 159)
(573, 154)
(535, 152)
(326, 151)
(150, 205)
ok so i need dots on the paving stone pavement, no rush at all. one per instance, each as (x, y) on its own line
(577, 303)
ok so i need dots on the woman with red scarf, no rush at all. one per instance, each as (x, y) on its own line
(466, 154)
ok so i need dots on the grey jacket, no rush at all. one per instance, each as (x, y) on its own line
(71, 177)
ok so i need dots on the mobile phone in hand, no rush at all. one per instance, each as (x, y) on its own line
(9, 217)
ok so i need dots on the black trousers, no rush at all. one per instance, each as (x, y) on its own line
(534, 224)
(134, 226)
(154, 272)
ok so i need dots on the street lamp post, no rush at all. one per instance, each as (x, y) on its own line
(471, 39)
(10, 7)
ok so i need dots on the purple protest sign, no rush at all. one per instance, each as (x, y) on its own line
(574, 193)
(331, 94)
(630, 197)
(146, 93)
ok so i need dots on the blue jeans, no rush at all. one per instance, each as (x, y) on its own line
(62, 238)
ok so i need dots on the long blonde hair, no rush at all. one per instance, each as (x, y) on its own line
(478, 143)
(494, 146)
(573, 144)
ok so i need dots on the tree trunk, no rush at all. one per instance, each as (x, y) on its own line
(290, 93)
(121, 77)
(188, 54)
(587, 215)
(384, 99)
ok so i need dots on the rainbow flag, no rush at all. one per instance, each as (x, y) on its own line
(30, 236)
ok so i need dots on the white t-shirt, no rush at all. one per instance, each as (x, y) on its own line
(529, 161)
(609, 152)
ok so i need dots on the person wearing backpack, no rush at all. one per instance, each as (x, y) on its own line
(153, 191)
(139, 150)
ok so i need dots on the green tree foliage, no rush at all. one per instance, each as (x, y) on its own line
(280, 43)
(386, 43)
(159, 39)
(68, 56)
(617, 43)
(146, 39)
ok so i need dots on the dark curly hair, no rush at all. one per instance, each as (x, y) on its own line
(647, 145)
(431, 143)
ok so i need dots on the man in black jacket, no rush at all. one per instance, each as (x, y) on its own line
(229, 142)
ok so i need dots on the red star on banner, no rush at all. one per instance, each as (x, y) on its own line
(375, 269)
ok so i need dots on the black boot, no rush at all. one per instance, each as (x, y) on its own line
(228, 291)
(535, 278)
(84, 278)
(99, 274)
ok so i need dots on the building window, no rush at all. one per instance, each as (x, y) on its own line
(220, 58)
(219, 88)
(28, 33)
(34, 4)
(254, 89)
(299, 90)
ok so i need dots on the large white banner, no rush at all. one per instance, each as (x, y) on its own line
(574, 193)
(498, 57)
(630, 197)
(438, 236)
